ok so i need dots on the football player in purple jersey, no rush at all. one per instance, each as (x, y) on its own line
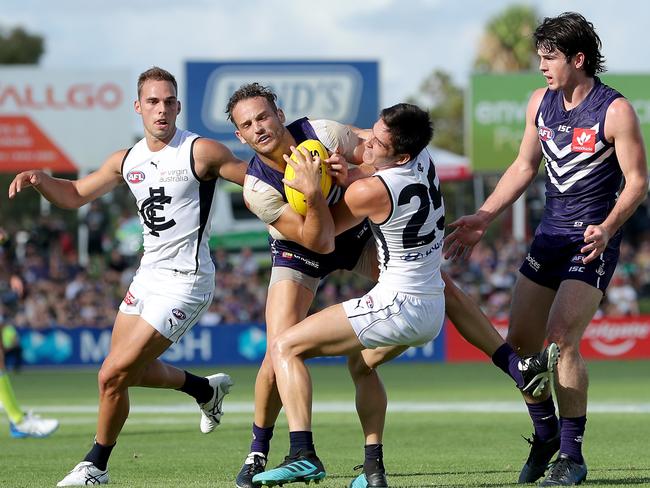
(591, 142)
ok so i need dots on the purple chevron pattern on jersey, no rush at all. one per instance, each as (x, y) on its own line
(583, 175)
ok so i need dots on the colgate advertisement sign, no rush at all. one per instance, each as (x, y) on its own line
(606, 338)
(63, 120)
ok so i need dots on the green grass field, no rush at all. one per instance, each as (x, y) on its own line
(448, 425)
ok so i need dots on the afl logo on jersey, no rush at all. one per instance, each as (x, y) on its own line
(546, 134)
(135, 177)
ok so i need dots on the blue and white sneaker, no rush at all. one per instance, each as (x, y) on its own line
(83, 474)
(33, 426)
(211, 410)
(304, 466)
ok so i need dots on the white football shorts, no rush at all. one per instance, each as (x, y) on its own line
(385, 317)
(170, 301)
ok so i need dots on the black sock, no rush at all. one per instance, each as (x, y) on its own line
(197, 387)
(301, 440)
(98, 455)
(374, 459)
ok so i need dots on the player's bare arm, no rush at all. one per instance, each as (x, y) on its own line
(469, 229)
(71, 194)
(368, 197)
(213, 160)
(622, 129)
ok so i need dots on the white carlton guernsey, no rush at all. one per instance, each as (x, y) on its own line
(174, 206)
(409, 242)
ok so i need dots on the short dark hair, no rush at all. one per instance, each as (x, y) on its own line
(410, 128)
(157, 74)
(570, 33)
(250, 90)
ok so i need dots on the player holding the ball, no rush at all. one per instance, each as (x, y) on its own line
(259, 123)
(406, 308)
(301, 249)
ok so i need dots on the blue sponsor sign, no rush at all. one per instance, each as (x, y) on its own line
(227, 345)
(345, 91)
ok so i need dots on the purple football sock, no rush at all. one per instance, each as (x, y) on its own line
(508, 360)
(544, 419)
(262, 439)
(572, 430)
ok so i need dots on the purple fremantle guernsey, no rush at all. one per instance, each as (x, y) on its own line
(348, 245)
(301, 130)
(583, 175)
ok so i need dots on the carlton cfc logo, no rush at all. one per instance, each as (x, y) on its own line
(135, 177)
(545, 134)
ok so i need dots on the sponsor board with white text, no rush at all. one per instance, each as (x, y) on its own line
(605, 338)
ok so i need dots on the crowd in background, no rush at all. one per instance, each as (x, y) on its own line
(42, 283)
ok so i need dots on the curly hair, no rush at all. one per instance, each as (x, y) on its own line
(570, 33)
(250, 90)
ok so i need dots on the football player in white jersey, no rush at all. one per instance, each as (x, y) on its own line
(406, 307)
(172, 173)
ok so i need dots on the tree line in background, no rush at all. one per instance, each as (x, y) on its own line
(505, 46)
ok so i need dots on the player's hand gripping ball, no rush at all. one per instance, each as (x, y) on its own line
(294, 197)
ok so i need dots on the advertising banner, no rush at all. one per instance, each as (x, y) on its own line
(496, 111)
(606, 338)
(221, 345)
(345, 91)
(63, 120)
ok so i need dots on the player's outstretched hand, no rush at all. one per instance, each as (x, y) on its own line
(24, 180)
(468, 230)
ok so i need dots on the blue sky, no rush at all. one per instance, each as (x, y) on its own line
(410, 38)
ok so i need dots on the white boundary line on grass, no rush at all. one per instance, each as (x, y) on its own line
(348, 407)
